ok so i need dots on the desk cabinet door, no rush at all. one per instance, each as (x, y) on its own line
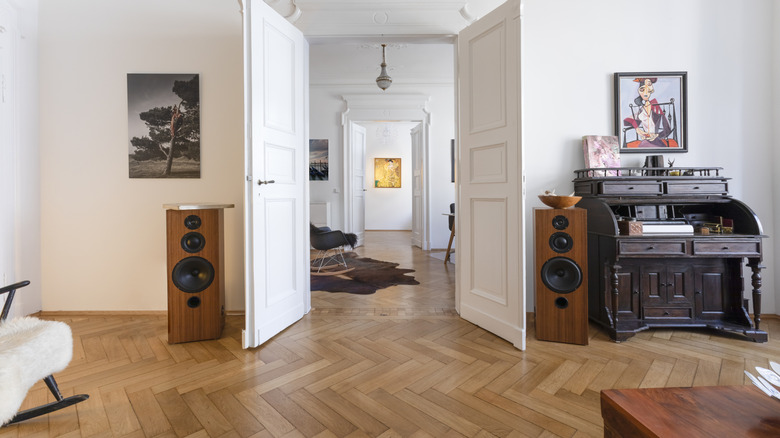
(711, 288)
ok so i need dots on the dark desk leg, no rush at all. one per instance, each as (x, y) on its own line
(449, 245)
(755, 266)
(614, 268)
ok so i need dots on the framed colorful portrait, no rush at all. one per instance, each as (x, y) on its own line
(650, 112)
(387, 173)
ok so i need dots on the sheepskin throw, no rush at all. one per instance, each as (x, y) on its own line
(30, 349)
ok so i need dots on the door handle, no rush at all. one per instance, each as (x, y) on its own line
(260, 182)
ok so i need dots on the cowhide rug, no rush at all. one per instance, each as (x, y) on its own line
(368, 276)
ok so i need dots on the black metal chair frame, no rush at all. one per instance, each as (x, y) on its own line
(61, 402)
(330, 249)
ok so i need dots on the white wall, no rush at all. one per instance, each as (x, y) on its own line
(20, 255)
(427, 69)
(571, 49)
(103, 234)
(389, 209)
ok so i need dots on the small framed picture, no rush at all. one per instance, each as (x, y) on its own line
(650, 112)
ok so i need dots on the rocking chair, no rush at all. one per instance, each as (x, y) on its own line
(330, 250)
(31, 349)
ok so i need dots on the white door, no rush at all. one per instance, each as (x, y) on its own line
(357, 189)
(491, 287)
(276, 154)
(417, 186)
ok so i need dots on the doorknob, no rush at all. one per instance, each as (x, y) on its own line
(260, 182)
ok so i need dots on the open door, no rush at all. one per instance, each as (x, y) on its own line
(276, 194)
(357, 187)
(491, 286)
(417, 186)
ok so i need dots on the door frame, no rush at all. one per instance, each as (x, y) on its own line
(391, 108)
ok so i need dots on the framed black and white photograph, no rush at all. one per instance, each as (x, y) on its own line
(650, 112)
(163, 125)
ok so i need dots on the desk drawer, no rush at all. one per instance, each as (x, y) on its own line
(693, 187)
(727, 248)
(668, 312)
(652, 248)
(632, 189)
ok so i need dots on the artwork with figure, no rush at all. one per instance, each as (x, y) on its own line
(163, 123)
(650, 112)
(601, 151)
(387, 173)
(318, 159)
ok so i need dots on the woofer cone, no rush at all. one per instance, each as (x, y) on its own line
(193, 274)
(561, 275)
(561, 242)
(193, 242)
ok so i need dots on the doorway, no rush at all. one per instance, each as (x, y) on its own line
(388, 176)
(404, 108)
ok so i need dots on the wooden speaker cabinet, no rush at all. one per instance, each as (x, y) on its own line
(561, 270)
(196, 283)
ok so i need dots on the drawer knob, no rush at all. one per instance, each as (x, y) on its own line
(698, 292)
(636, 292)
(651, 247)
(666, 313)
(696, 188)
(725, 248)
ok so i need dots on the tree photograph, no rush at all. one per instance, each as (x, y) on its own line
(163, 124)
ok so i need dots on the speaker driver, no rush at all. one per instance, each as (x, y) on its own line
(560, 222)
(561, 242)
(561, 275)
(193, 274)
(192, 222)
(193, 242)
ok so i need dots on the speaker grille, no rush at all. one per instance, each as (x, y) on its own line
(561, 275)
(193, 242)
(561, 242)
(193, 274)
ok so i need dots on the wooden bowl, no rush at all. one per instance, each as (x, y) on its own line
(559, 201)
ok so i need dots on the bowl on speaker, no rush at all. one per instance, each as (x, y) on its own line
(554, 201)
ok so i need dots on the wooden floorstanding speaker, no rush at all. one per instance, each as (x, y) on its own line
(196, 283)
(561, 269)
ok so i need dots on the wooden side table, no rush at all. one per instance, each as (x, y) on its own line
(705, 411)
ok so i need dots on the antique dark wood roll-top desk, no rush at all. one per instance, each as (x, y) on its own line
(685, 268)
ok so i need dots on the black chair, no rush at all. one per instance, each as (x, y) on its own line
(330, 249)
(31, 349)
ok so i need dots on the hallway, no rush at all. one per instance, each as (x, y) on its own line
(435, 295)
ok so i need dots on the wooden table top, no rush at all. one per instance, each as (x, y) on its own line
(704, 411)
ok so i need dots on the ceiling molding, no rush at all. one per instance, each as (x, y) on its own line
(325, 18)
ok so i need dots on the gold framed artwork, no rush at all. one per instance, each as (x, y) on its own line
(387, 173)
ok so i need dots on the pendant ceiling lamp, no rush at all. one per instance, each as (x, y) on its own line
(384, 80)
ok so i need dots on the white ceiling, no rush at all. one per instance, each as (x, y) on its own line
(407, 20)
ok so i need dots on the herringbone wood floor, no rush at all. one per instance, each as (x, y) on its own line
(397, 363)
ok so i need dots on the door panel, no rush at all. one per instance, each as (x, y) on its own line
(276, 89)
(417, 188)
(358, 187)
(491, 287)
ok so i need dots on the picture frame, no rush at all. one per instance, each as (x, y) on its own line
(651, 112)
(601, 152)
(387, 173)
